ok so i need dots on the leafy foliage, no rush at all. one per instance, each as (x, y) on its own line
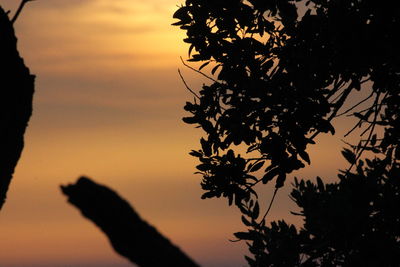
(280, 80)
(354, 222)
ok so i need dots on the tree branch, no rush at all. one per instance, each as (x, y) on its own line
(130, 235)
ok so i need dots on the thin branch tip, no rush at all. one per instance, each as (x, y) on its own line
(19, 10)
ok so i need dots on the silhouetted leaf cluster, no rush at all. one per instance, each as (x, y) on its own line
(280, 80)
(354, 222)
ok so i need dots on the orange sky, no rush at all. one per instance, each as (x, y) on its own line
(108, 104)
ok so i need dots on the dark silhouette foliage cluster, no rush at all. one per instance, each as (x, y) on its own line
(278, 79)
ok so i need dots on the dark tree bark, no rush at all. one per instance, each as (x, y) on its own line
(16, 93)
(129, 235)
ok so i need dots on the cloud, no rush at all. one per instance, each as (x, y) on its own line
(63, 3)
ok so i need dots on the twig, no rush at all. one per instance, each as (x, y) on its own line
(354, 127)
(349, 144)
(337, 105)
(372, 126)
(356, 105)
(340, 102)
(187, 87)
(361, 120)
(200, 72)
(336, 87)
(270, 204)
(366, 80)
(21, 6)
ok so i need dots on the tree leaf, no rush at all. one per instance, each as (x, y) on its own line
(256, 211)
(208, 195)
(256, 166)
(304, 155)
(373, 140)
(320, 184)
(206, 146)
(204, 64)
(280, 181)
(203, 167)
(195, 153)
(349, 156)
(190, 120)
(215, 68)
(244, 235)
(245, 221)
(270, 175)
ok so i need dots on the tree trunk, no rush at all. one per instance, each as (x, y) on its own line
(16, 93)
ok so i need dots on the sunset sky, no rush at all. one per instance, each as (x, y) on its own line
(108, 104)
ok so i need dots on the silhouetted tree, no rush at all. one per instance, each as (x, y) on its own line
(16, 92)
(281, 78)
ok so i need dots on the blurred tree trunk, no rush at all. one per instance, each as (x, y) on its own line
(16, 93)
(129, 235)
